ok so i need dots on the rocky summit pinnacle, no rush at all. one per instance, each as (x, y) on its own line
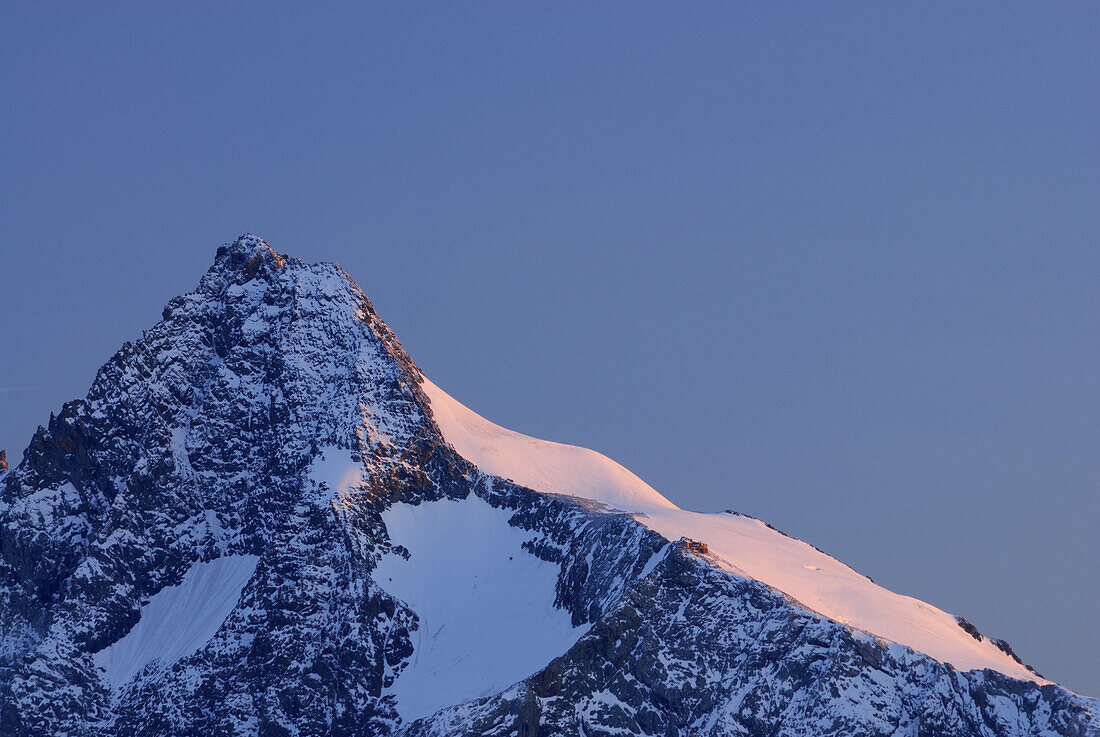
(247, 255)
(264, 520)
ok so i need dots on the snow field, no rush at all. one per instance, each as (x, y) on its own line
(485, 605)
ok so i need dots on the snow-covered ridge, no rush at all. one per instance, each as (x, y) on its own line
(741, 545)
(539, 464)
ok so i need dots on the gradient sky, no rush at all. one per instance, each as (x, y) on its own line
(832, 265)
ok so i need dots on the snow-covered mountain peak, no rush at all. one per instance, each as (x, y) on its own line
(263, 519)
(321, 297)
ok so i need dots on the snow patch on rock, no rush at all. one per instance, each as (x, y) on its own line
(485, 605)
(338, 471)
(178, 620)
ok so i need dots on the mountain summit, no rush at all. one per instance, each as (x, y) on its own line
(263, 519)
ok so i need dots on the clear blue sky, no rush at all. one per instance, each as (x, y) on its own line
(832, 265)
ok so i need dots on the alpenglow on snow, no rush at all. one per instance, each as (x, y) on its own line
(263, 519)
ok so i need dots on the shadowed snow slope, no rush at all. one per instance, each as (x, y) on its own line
(740, 545)
(485, 605)
(179, 620)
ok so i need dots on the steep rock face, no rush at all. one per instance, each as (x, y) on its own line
(196, 442)
(271, 415)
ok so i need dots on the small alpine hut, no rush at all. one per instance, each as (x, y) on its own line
(693, 546)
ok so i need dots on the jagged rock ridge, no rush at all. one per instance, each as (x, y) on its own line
(271, 421)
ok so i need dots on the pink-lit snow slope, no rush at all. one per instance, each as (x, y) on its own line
(539, 464)
(740, 545)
